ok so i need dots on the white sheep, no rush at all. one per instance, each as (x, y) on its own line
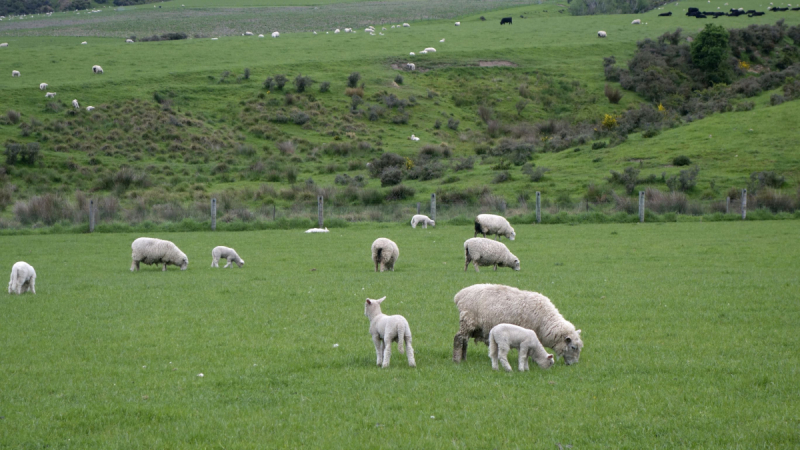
(42, 86)
(90, 108)
(369, 30)
(636, 22)
(506, 336)
(441, 40)
(430, 50)
(486, 252)
(275, 34)
(387, 329)
(84, 43)
(492, 224)
(406, 25)
(483, 306)
(248, 33)
(412, 54)
(23, 278)
(157, 251)
(50, 95)
(129, 41)
(337, 31)
(317, 230)
(228, 253)
(411, 66)
(214, 39)
(261, 35)
(4, 44)
(75, 103)
(423, 52)
(422, 219)
(15, 73)
(413, 138)
(384, 254)
(458, 24)
(601, 34)
(97, 69)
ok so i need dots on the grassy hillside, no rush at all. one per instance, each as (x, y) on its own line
(177, 122)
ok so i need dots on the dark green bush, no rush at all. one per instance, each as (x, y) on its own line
(681, 160)
(391, 176)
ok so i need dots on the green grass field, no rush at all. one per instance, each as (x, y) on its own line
(689, 332)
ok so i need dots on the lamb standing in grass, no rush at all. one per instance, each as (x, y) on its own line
(228, 253)
(483, 306)
(97, 69)
(506, 336)
(42, 86)
(384, 254)
(491, 224)
(23, 278)
(15, 73)
(387, 329)
(423, 220)
(157, 251)
(486, 252)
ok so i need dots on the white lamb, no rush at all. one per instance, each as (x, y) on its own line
(384, 254)
(441, 40)
(75, 103)
(23, 278)
(337, 31)
(157, 251)
(506, 336)
(411, 66)
(97, 69)
(228, 253)
(486, 252)
(422, 219)
(84, 43)
(42, 86)
(458, 24)
(406, 25)
(601, 34)
(387, 329)
(636, 22)
(129, 41)
(317, 230)
(483, 306)
(275, 34)
(90, 108)
(412, 54)
(423, 52)
(430, 50)
(492, 224)
(214, 39)
(15, 73)
(248, 33)
(261, 35)
(4, 44)
(50, 95)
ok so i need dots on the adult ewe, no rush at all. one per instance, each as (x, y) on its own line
(601, 34)
(90, 108)
(275, 34)
(228, 253)
(387, 329)
(4, 44)
(50, 95)
(23, 278)
(491, 224)
(129, 41)
(483, 306)
(506, 336)
(636, 22)
(97, 69)
(384, 254)
(486, 252)
(411, 66)
(157, 251)
(422, 219)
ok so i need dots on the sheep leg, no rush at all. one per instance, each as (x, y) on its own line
(134, 265)
(495, 267)
(523, 358)
(493, 354)
(376, 266)
(502, 353)
(387, 352)
(410, 353)
(230, 260)
(476, 266)
(214, 262)
(33, 285)
(164, 269)
(376, 340)
(460, 342)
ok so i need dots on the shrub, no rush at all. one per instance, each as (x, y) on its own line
(437, 125)
(651, 132)
(612, 94)
(485, 113)
(301, 82)
(775, 201)
(299, 117)
(776, 99)
(371, 197)
(286, 147)
(452, 124)
(350, 92)
(352, 80)
(521, 106)
(391, 176)
(598, 145)
(517, 152)
(673, 38)
(400, 192)
(377, 165)
(770, 179)
(681, 160)
(685, 181)
(291, 175)
(269, 82)
(425, 172)
(12, 116)
(279, 82)
(501, 177)
(535, 174)
(398, 79)
(47, 209)
(246, 72)
(710, 52)
(325, 86)
(493, 128)
(464, 163)
(628, 178)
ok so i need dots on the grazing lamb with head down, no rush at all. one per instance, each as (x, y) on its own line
(387, 329)
(492, 224)
(75, 103)
(275, 34)
(506, 336)
(483, 306)
(129, 41)
(23, 278)
(422, 219)
(157, 251)
(228, 253)
(4, 44)
(15, 73)
(458, 24)
(50, 95)
(90, 108)
(97, 69)
(601, 34)
(486, 252)
(636, 22)
(384, 254)
(42, 86)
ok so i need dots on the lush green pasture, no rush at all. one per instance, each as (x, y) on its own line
(689, 331)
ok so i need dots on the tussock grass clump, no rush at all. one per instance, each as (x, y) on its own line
(612, 94)
(47, 209)
(12, 116)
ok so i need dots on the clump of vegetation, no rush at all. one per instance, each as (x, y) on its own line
(685, 181)
(325, 86)
(612, 94)
(681, 160)
(536, 174)
(627, 178)
(353, 79)
(398, 79)
(302, 82)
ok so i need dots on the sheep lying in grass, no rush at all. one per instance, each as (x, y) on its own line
(384, 254)
(422, 219)
(90, 108)
(317, 230)
(486, 252)
(458, 24)
(129, 41)
(23, 278)
(84, 43)
(506, 336)
(5, 44)
(492, 224)
(50, 95)
(483, 306)
(157, 251)
(387, 329)
(228, 253)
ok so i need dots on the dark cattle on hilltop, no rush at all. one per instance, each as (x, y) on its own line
(693, 12)
(666, 14)
(505, 20)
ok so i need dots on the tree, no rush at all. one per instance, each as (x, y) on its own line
(710, 52)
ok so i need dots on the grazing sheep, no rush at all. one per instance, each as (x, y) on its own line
(458, 24)
(84, 43)
(384, 254)
(486, 252)
(23, 278)
(413, 138)
(430, 50)
(5, 44)
(214, 39)
(248, 33)
(15, 73)
(440, 40)
(42, 86)
(317, 230)
(406, 25)
(261, 35)
(129, 41)
(411, 54)
(275, 34)
(387, 329)
(422, 219)
(97, 69)
(50, 95)
(601, 34)
(157, 251)
(423, 52)
(90, 108)
(483, 306)
(411, 66)
(228, 253)
(336, 31)
(636, 22)
(492, 224)
(506, 336)
(75, 103)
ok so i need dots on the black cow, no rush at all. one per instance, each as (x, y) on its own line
(700, 16)
(505, 20)
(756, 14)
(693, 12)
(795, 9)
(666, 14)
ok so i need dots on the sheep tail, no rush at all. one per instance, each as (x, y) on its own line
(401, 338)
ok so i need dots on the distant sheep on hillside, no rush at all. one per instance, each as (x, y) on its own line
(601, 34)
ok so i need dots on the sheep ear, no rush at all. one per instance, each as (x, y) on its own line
(549, 356)
(380, 300)
(369, 302)
(579, 331)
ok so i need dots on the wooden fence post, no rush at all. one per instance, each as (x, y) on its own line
(641, 206)
(91, 216)
(728, 206)
(433, 206)
(273, 212)
(213, 214)
(319, 210)
(538, 207)
(744, 203)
